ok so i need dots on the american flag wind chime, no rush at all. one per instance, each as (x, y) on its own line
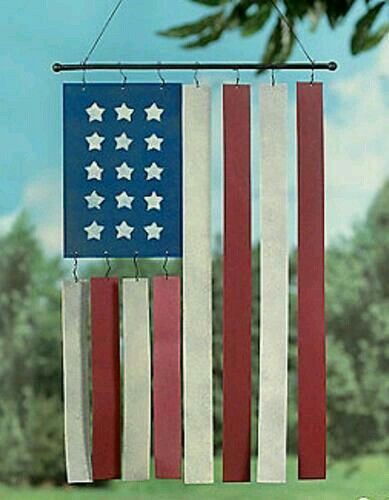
(137, 183)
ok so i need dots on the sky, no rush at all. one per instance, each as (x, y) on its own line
(36, 33)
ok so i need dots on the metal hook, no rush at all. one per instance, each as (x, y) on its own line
(75, 268)
(273, 77)
(195, 77)
(237, 76)
(109, 268)
(124, 76)
(163, 81)
(83, 77)
(164, 266)
(312, 75)
(136, 266)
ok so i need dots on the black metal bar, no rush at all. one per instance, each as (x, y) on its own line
(210, 66)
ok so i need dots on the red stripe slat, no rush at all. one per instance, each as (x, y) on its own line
(167, 377)
(105, 378)
(311, 322)
(237, 285)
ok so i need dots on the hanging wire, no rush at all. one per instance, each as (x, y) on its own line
(164, 266)
(107, 261)
(103, 30)
(273, 78)
(75, 268)
(286, 21)
(136, 265)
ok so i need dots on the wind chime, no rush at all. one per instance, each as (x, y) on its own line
(137, 178)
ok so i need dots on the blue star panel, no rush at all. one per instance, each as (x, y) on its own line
(122, 170)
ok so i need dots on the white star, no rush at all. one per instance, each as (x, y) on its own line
(95, 112)
(154, 112)
(153, 231)
(124, 230)
(95, 140)
(124, 200)
(153, 172)
(94, 231)
(154, 142)
(94, 171)
(124, 112)
(153, 201)
(94, 200)
(124, 171)
(123, 142)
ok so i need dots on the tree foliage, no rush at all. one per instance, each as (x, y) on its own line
(251, 16)
(357, 313)
(30, 375)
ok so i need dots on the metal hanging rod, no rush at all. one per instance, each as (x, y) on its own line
(213, 66)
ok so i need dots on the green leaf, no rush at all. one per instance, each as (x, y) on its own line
(363, 37)
(202, 41)
(314, 14)
(337, 10)
(210, 35)
(370, 41)
(280, 43)
(195, 28)
(255, 22)
(212, 3)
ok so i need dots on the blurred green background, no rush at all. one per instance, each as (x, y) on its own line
(357, 312)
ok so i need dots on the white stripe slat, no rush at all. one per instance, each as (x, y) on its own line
(75, 310)
(273, 374)
(197, 286)
(136, 381)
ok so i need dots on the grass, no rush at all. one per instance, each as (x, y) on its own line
(366, 477)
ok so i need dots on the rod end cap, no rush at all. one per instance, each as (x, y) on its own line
(56, 67)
